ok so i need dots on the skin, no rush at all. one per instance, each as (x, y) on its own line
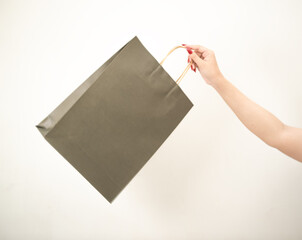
(258, 120)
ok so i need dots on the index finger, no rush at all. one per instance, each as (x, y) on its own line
(197, 47)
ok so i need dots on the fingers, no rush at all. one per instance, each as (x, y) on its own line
(196, 59)
(196, 47)
(197, 56)
(193, 65)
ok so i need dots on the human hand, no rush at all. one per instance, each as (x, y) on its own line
(205, 61)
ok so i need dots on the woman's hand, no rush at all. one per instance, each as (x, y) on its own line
(205, 61)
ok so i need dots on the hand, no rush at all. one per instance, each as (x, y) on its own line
(205, 61)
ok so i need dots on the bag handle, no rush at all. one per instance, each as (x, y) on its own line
(186, 69)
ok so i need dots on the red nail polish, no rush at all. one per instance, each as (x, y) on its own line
(192, 67)
(183, 44)
(195, 70)
(189, 51)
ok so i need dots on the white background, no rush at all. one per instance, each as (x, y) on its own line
(224, 183)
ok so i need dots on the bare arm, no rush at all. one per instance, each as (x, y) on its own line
(259, 121)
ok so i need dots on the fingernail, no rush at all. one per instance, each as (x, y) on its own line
(183, 44)
(189, 51)
(195, 70)
(192, 67)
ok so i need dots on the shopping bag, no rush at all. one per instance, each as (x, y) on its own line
(111, 125)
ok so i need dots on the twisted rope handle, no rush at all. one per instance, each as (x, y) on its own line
(186, 69)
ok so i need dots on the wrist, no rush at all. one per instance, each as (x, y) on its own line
(218, 82)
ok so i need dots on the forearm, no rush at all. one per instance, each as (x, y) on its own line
(258, 120)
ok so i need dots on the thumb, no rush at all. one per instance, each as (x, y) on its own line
(196, 59)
